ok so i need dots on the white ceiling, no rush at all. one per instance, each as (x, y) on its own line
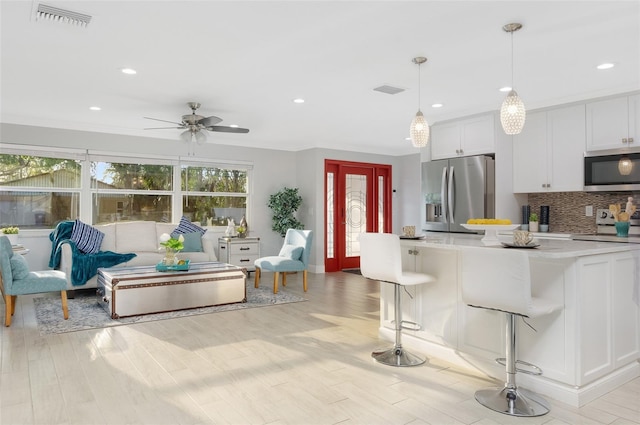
(246, 62)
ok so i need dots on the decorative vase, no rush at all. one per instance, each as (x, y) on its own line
(13, 238)
(242, 234)
(533, 226)
(170, 258)
(622, 229)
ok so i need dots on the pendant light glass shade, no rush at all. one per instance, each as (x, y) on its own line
(419, 131)
(512, 113)
(625, 166)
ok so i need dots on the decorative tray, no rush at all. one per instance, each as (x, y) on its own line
(512, 245)
(175, 268)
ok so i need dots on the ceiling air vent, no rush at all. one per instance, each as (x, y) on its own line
(388, 89)
(56, 14)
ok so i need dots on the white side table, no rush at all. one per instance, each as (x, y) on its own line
(241, 252)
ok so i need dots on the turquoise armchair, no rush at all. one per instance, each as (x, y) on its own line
(293, 257)
(16, 279)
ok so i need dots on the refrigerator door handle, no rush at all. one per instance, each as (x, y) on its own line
(451, 196)
(443, 189)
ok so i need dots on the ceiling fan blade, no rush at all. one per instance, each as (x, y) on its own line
(225, 129)
(209, 121)
(156, 119)
(164, 128)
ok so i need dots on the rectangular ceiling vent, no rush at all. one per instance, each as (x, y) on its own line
(56, 14)
(388, 89)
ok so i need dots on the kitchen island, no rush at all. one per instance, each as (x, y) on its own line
(585, 350)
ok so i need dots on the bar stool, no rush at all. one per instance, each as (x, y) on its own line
(499, 279)
(380, 259)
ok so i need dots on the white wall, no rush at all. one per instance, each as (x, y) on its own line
(272, 170)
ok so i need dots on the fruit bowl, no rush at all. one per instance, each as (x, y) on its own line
(490, 231)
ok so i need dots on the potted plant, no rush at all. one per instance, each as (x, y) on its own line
(284, 204)
(242, 231)
(533, 222)
(171, 246)
(11, 233)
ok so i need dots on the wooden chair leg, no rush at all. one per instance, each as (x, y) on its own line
(7, 315)
(304, 280)
(275, 282)
(256, 278)
(65, 308)
(284, 279)
(14, 298)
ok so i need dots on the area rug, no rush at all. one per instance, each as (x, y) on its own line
(86, 313)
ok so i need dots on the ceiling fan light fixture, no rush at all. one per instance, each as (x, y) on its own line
(200, 137)
(186, 136)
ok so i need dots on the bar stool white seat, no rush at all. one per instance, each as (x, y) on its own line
(500, 279)
(380, 259)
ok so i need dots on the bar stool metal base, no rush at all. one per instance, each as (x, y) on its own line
(513, 401)
(397, 356)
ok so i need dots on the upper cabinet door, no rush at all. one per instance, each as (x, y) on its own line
(445, 140)
(467, 137)
(477, 135)
(634, 120)
(608, 124)
(530, 155)
(565, 145)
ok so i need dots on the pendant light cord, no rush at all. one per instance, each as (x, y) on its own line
(512, 88)
(419, 86)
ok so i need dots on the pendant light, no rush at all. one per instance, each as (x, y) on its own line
(512, 112)
(419, 130)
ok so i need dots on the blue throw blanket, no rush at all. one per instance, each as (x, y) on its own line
(85, 266)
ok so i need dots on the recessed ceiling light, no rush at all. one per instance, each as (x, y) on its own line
(129, 71)
(95, 108)
(298, 100)
(437, 105)
(505, 89)
(605, 66)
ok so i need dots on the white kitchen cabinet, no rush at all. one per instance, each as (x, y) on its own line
(241, 252)
(466, 137)
(609, 332)
(548, 154)
(613, 123)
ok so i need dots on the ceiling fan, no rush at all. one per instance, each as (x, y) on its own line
(195, 124)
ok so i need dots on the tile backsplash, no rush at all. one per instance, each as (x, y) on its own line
(567, 209)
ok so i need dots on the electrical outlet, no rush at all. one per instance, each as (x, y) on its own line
(588, 211)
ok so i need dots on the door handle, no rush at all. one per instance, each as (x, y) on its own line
(443, 189)
(451, 196)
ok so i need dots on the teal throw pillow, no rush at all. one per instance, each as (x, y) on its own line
(192, 241)
(292, 252)
(19, 267)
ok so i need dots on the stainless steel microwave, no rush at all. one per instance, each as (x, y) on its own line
(612, 171)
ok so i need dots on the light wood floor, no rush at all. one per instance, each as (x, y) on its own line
(302, 363)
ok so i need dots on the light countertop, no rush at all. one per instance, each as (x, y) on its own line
(550, 248)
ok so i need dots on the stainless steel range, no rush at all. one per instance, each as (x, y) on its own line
(605, 223)
(606, 230)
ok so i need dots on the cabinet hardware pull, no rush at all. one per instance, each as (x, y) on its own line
(624, 140)
(630, 139)
(244, 249)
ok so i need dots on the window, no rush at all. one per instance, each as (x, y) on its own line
(214, 195)
(38, 191)
(131, 191)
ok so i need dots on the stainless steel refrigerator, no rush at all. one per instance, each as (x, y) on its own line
(455, 190)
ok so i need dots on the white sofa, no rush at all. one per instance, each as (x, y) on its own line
(139, 237)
